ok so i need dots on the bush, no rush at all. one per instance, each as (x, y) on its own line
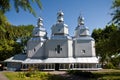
(30, 74)
(109, 66)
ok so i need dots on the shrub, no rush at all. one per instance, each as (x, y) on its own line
(109, 66)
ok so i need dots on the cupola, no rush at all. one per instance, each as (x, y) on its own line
(39, 30)
(80, 20)
(60, 28)
(81, 29)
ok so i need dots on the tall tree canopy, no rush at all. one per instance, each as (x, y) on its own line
(108, 39)
(9, 33)
(107, 44)
(3, 21)
(26, 5)
(116, 13)
(9, 45)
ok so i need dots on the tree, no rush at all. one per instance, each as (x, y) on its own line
(8, 33)
(8, 40)
(96, 34)
(3, 21)
(116, 13)
(26, 5)
(4, 5)
(107, 42)
(115, 42)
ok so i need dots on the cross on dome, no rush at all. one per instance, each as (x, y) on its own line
(60, 15)
(40, 22)
(80, 20)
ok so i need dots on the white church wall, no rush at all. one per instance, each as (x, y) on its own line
(65, 30)
(70, 48)
(39, 33)
(76, 33)
(59, 28)
(35, 49)
(39, 52)
(83, 48)
(42, 33)
(75, 48)
(56, 29)
(83, 32)
(51, 48)
(93, 48)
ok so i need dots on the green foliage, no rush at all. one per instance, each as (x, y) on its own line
(106, 74)
(26, 5)
(97, 33)
(7, 48)
(35, 75)
(8, 33)
(116, 61)
(116, 13)
(80, 73)
(8, 44)
(109, 66)
(107, 43)
(3, 22)
(4, 5)
(115, 42)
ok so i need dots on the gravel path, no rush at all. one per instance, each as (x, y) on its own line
(2, 77)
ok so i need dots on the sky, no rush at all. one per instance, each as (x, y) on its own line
(95, 12)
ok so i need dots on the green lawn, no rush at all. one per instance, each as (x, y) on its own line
(109, 74)
(31, 76)
(106, 74)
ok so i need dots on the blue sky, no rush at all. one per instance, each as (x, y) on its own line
(95, 12)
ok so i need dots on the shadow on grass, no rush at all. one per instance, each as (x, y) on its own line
(96, 75)
(81, 73)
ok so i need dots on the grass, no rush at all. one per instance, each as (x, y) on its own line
(31, 76)
(105, 74)
(109, 74)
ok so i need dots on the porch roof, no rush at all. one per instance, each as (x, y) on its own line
(62, 60)
(23, 59)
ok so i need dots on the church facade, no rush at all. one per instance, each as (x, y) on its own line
(60, 51)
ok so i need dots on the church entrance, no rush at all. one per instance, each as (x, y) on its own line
(57, 66)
